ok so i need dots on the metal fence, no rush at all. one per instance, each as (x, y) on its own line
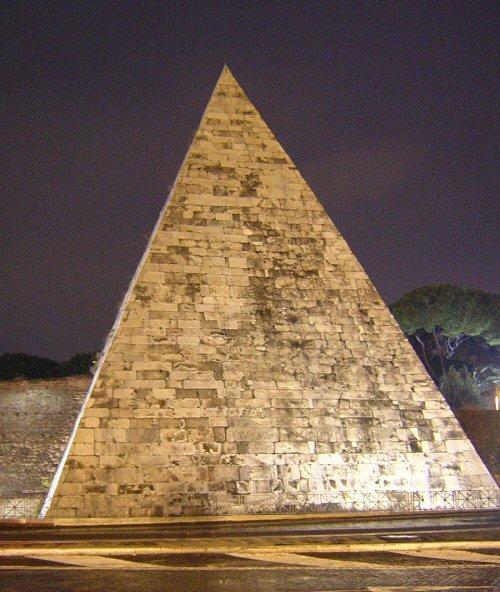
(20, 507)
(333, 501)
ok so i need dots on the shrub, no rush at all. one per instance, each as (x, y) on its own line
(460, 389)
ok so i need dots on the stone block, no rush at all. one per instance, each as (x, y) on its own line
(224, 473)
(143, 435)
(299, 447)
(84, 435)
(82, 449)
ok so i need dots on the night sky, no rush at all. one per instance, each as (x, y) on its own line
(386, 108)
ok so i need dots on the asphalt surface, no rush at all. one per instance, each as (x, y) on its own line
(470, 523)
(216, 573)
(427, 553)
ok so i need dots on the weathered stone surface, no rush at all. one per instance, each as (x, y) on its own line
(36, 419)
(254, 365)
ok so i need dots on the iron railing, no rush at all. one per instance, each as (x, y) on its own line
(20, 507)
(332, 501)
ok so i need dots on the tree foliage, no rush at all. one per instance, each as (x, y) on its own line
(78, 364)
(454, 328)
(460, 389)
(25, 366)
(452, 310)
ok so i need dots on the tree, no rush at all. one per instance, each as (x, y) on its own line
(460, 389)
(78, 364)
(25, 366)
(454, 328)
(449, 315)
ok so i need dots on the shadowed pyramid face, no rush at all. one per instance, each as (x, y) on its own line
(253, 365)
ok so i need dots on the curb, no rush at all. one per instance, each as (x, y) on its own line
(300, 548)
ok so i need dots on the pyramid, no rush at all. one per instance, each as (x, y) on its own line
(253, 367)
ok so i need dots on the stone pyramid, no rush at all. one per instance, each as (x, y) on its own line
(253, 367)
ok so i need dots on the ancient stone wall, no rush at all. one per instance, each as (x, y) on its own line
(254, 366)
(36, 419)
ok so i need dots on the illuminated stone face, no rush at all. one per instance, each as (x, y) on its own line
(253, 365)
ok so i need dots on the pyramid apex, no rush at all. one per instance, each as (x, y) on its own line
(227, 76)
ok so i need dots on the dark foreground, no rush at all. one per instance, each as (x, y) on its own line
(452, 553)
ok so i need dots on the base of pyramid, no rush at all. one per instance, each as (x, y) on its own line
(134, 506)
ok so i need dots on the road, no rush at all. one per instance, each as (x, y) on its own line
(423, 553)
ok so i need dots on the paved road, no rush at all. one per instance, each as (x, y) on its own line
(423, 554)
(279, 572)
(445, 525)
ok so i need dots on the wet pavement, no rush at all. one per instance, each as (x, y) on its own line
(425, 525)
(233, 574)
(452, 553)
